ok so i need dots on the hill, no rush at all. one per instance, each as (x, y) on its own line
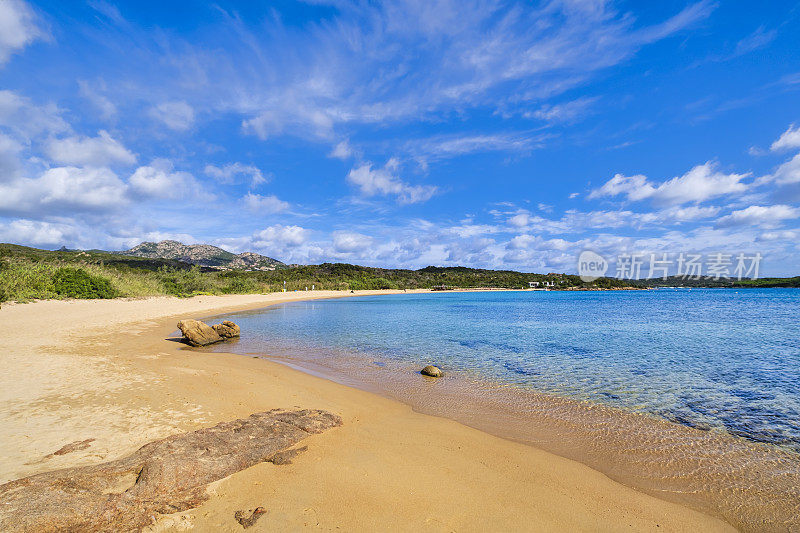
(203, 255)
(30, 273)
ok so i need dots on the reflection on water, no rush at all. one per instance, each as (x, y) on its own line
(599, 377)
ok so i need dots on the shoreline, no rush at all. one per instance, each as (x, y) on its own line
(749, 484)
(71, 376)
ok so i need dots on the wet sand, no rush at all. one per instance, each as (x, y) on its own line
(753, 486)
(105, 370)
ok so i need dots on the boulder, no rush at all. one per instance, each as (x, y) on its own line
(198, 333)
(226, 330)
(432, 371)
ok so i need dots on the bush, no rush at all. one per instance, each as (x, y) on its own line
(241, 285)
(184, 282)
(77, 283)
(370, 284)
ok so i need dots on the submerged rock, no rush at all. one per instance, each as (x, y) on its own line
(432, 371)
(166, 476)
(227, 329)
(199, 333)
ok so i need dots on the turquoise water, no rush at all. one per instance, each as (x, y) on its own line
(719, 359)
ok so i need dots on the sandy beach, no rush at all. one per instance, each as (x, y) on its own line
(105, 370)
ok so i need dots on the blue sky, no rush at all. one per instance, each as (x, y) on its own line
(488, 134)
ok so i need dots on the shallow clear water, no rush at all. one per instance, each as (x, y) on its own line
(719, 359)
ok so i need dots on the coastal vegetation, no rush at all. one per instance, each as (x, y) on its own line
(30, 273)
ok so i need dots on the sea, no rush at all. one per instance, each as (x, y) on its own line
(691, 394)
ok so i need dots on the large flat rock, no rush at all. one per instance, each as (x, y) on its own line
(164, 476)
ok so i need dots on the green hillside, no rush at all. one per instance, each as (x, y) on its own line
(29, 273)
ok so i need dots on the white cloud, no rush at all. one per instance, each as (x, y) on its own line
(229, 173)
(82, 188)
(265, 204)
(279, 237)
(159, 180)
(36, 233)
(788, 139)
(178, 115)
(18, 27)
(525, 241)
(26, 119)
(574, 221)
(99, 151)
(758, 215)
(342, 150)
(779, 236)
(63, 190)
(787, 173)
(520, 220)
(383, 182)
(348, 241)
(701, 183)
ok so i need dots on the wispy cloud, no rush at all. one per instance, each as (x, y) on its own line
(564, 112)
(760, 38)
(19, 27)
(384, 182)
(431, 149)
(231, 172)
(455, 55)
(177, 116)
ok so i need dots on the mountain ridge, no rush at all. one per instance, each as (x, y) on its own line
(204, 255)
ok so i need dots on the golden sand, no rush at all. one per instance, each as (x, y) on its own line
(75, 370)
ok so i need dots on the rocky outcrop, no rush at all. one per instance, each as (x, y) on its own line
(166, 476)
(226, 330)
(432, 371)
(203, 255)
(198, 333)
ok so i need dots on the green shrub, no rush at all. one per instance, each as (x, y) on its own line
(184, 282)
(370, 284)
(241, 285)
(77, 283)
